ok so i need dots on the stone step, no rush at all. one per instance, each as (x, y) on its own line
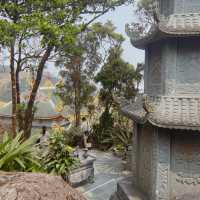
(114, 197)
(127, 191)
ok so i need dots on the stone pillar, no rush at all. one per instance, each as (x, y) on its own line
(154, 165)
(162, 190)
(134, 152)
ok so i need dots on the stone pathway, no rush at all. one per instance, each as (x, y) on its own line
(108, 171)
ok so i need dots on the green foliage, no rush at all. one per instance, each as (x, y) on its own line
(145, 4)
(78, 68)
(102, 131)
(117, 77)
(122, 131)
(147, 15)
(19, 155)
(73, 136)
(58, 159)
(112, 130)
(34, 30)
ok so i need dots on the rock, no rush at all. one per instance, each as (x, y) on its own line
(35, 186)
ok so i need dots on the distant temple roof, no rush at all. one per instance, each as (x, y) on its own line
(165, 112)
(181, 25)
(45, 109)
(46, 112)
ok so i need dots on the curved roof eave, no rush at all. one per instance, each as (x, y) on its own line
(176, 25)
(164, 114)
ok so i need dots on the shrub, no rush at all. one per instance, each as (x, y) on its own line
(19, 155)
(58, 158)
(101, 133)
(73, 136)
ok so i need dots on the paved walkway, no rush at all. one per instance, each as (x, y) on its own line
(108, 171)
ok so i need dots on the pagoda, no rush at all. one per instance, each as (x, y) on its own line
(166, 141)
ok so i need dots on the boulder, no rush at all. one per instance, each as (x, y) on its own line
(35, 186)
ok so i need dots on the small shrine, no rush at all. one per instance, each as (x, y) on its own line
(166, 141)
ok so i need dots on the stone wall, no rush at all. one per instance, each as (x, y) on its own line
(153, 69)
(153, 162)
(187, 6)
(185, 166)
(188, 68)
(173, 67)
(144, 159)
(166, 7)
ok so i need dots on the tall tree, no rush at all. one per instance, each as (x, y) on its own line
(117, 78)
(78, 68)
(50, 25)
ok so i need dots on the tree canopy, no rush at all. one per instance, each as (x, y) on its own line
(33, 31)
(78, 68)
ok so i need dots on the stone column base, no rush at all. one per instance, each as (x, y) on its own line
(127, 191)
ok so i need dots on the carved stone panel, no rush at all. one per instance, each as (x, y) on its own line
(166, 7)
(154, 69)
(163, 168)
(145, 159)
(134, 152)
(185, 166)
(188, 67)
(179, 6)
(185, 6)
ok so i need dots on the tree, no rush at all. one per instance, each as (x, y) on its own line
(147, 15)
(117, 78)
(78, 68)
(50, 26)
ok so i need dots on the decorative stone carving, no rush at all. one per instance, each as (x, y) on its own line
(192, 6)
(185, 165)
(163, 165)
(144, 160)
(134, 152)
(154, 69)
(188, 61)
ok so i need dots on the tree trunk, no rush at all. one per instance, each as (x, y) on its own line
(13, 83)
(77, 118)
(29, 114)
(77, 101)
(19, 111)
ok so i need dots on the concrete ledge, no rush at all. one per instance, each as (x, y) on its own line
(127, 191)
(83, 174)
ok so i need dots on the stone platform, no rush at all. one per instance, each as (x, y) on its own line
(127, 191)
(84, 173)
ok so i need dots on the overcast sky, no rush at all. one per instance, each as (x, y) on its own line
(120, 17)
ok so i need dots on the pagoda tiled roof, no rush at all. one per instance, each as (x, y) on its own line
(172, 112)
(175, 25)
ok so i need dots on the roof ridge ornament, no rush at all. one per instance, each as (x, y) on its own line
(146, 105)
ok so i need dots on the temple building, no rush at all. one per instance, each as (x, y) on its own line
(166, 141)
(47, 111)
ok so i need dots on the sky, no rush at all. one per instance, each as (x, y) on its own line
(120, 17)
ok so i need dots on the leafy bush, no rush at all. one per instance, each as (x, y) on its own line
(121, 135)
(73, 136)
(102, 131)
(58, 159)
(113, 130)
(19, 155)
